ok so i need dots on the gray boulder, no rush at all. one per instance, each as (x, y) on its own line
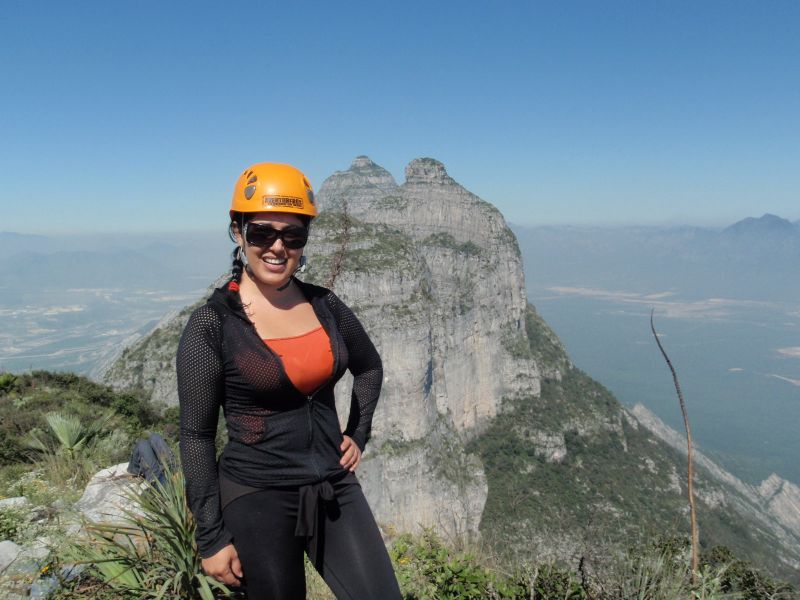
(9, 551)
(17, 502)
(107, 496)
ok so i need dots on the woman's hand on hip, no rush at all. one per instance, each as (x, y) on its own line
(224, 566)
(351, 454)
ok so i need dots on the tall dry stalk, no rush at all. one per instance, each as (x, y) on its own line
(689, 453)
(338, 257)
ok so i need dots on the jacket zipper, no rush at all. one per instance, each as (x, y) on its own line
(308, 415)
(309, 404)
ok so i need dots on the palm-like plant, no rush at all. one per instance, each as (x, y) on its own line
(66, 434)
(64, 447)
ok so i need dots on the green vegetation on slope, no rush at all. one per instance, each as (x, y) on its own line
(570, 461)
(445, 240)
(58, 429)
(140, 363)
(162, 563)
(364, 248)
(590, 490)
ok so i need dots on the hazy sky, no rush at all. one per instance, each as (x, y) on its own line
(139, 115)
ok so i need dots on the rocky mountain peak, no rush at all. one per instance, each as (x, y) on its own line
(427, 171)
(355, 186)
(362, 162)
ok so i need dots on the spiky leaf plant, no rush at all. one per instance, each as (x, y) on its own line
(151, 554)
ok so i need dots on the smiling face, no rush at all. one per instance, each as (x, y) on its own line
(273, 265)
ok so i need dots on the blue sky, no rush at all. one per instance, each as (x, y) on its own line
(139, 115)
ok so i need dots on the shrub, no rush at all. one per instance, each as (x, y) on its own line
(10, 449)
(7, 381)
(550, 581)
(426, 569)
(11, 521)
(658, 570)
(740, 577)
(66, 448)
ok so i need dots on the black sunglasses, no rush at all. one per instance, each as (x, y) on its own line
(263, 235)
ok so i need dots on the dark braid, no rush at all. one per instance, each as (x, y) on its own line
(238, 266)
(237, 224)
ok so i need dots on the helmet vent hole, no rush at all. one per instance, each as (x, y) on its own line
(249, 191)
(252, 180)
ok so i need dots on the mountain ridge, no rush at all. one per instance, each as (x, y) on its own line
(766, 224)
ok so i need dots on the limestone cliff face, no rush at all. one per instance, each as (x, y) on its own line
(435, 275)
(458, 270)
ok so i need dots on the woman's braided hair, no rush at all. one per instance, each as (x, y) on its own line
(237, 224)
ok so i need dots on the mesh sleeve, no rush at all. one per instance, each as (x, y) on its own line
(367, 369)
(200, 391)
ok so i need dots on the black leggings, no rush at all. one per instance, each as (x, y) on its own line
(346, 548)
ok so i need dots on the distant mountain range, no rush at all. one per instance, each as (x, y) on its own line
(746, 256)
(755, 258)
(766, 225)
(109, 261)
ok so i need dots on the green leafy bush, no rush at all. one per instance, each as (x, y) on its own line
(11, 521)
(659, 570)
(427, 569)
(741, 578)
(26, 398)
(65, 448)
(11, 450)
(7, 381)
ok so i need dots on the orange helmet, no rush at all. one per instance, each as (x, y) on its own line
(273, 187)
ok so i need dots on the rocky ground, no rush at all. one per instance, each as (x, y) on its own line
(43, 532)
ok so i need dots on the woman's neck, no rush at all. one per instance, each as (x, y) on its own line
(282, 296)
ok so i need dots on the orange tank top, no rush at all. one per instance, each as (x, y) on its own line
(307, 358)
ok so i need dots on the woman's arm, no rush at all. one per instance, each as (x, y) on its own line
(200, 391)
(366, 367)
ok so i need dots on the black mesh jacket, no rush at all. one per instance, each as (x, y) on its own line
(278, 436)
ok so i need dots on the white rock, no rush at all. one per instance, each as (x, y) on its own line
(107, 495)
(782, 498)
(9, 551)
(17, 502)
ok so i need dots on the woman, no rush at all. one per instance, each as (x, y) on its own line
(268, 349)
